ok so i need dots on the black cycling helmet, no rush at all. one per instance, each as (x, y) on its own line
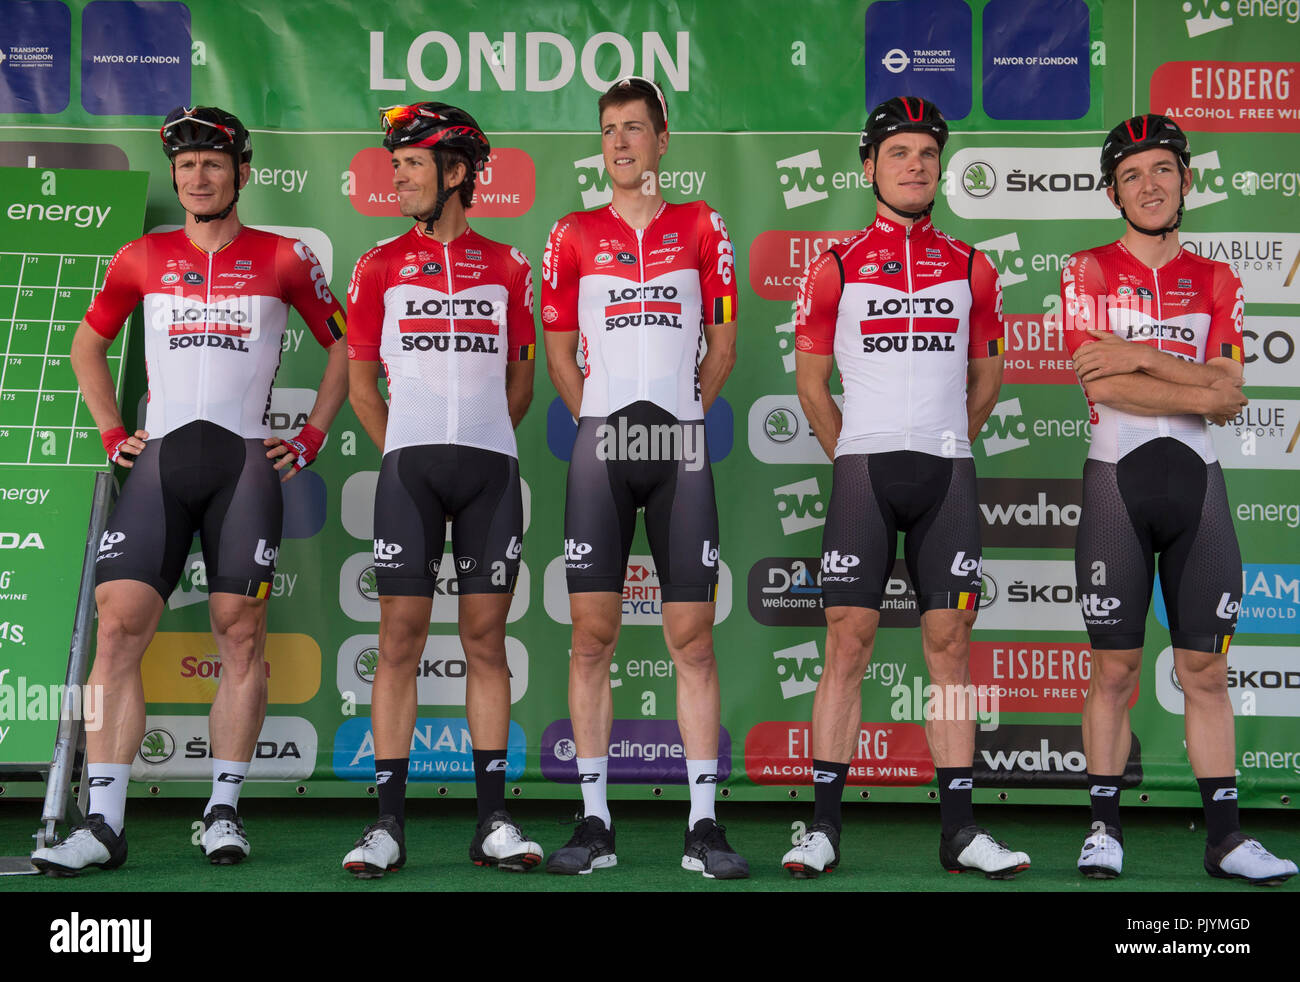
(1148, 132)
(206, 128)
(438, 127)
(902, 114)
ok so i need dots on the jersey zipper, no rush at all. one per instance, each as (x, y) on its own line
(907, 416)
(1162, 422)
(643, 384)
(453, 361)
(203, 351)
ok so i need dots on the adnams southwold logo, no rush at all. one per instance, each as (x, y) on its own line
(802, 181)
(548, 60)
(1207, 16)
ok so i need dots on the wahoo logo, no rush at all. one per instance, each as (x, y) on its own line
(962, 566)
(961, 784)
(709, 554)
(1207, 182)
(802, 179)
(593, 182)
(1103, 791)
(1205, 16)
(707, 779)
(1001, 250)
(834, 562)
(386, 550)
(798, 668)
(1006, 428)
(497, 764)
(1225, 794)
(265, 555)
(1037, 760)
(109, 539)
(515, 548)
(800, 506)
(823, 777)
(1228, 608)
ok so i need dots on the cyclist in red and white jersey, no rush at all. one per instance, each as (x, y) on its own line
(1156, 335)
(639, 288)
(216, 298)
(913, 318)
(448, 314)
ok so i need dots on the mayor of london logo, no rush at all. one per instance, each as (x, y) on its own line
(157, 746)
(978, 179)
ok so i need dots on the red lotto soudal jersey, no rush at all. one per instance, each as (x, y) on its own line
(444, 318)
(640, 299)
(902, 310)
(1190, 307)
(214, 322)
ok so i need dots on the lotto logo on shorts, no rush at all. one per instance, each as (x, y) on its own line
(385, 551)
(574, 552)
(265, 555)
(962, 566)
(110, 539)
(709, 554)
(837, 562)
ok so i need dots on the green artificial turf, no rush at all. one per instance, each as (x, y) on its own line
(299, 845)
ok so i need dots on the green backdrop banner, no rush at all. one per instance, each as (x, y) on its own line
(764, 126)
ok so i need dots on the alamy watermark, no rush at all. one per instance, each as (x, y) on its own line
(919, 701)
(654, 441)
(21, 701)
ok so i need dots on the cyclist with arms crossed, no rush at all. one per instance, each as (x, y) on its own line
(1155, 332)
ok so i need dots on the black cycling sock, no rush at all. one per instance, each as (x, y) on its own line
(955, 809)
(390, 782)
(490, 781)
(1103, 797)
(1219, 796)
(828, 789)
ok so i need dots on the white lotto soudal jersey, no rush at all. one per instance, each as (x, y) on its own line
(903, 310)
(1191, 308)
(214, 322)
(444, 318)
(640, 299)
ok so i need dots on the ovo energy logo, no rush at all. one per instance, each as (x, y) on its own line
(1204, 16)
(593, 182)
(802, 179)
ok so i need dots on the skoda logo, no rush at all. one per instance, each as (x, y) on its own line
(781, 425)
(366, 664)
(157, 746)
(988, 590)
(368, 584)
(978, 179)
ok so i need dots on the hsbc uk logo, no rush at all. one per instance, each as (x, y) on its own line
(798, 668)
(802, 180)
(800, 506)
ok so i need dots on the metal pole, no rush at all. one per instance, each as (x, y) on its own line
(71, 732)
